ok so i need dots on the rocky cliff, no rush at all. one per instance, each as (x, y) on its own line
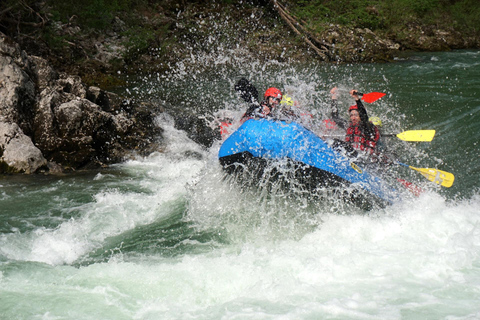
(52, 122)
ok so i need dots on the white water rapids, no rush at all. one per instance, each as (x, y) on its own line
(167, 237)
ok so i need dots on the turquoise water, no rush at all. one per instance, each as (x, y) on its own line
(167, 237)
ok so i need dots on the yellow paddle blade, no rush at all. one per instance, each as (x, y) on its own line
(417, 135)
(438, 176)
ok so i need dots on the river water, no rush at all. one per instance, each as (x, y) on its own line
(168, 237)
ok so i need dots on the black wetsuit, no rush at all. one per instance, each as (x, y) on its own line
(342, 123)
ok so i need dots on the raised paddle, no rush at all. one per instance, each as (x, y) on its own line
(440, 177)
(413, 135)
(371, 97)
(249, 94)
(247, 91)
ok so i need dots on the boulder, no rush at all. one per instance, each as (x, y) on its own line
(18, 154)
(17, 86)
(54, 121)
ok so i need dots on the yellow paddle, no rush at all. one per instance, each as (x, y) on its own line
(440, 177)
(411, 135)
(414, 135)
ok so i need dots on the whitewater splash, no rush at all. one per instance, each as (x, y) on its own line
(170, 236)
(186, 177)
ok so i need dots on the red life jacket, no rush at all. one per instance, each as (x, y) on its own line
(224, 129)
(360, 141)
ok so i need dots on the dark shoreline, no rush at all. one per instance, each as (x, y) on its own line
(60, 105)
(153, 37)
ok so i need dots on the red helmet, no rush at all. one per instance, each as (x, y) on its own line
(354, 107)
(273, 92)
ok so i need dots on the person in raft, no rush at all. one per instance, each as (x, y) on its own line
(290, 110)
(271, 100)
(362, 135)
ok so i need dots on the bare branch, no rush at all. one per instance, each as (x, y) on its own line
(6, 10)
(290, 21)
(295, 22)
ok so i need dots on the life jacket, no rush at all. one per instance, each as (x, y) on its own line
(330, 124)
(225, 128)
(360, 141)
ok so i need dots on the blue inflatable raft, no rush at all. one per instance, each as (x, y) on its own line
(318, 163)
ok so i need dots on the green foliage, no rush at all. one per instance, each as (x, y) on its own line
(466, 14)
(53, 40)
(139, 40)
(355, 13)
(96, 14)
(418, 8)
(388, 14)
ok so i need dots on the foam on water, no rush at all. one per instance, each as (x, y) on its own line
(417, 260)
(162, 178)
(253, 254)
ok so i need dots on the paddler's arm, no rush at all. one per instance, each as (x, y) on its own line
(342, 123)
(252, 110)
(368, 127)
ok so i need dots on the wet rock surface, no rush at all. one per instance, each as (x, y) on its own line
(52, 121)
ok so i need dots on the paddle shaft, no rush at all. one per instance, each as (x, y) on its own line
(385, 135)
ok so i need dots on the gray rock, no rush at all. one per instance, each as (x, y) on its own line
(19, 153)
(17, 88)
(46, 76)
(54, 121)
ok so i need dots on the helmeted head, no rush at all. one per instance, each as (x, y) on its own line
(274, 93)
(354, 115)
(376, 121)
(272, 96)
